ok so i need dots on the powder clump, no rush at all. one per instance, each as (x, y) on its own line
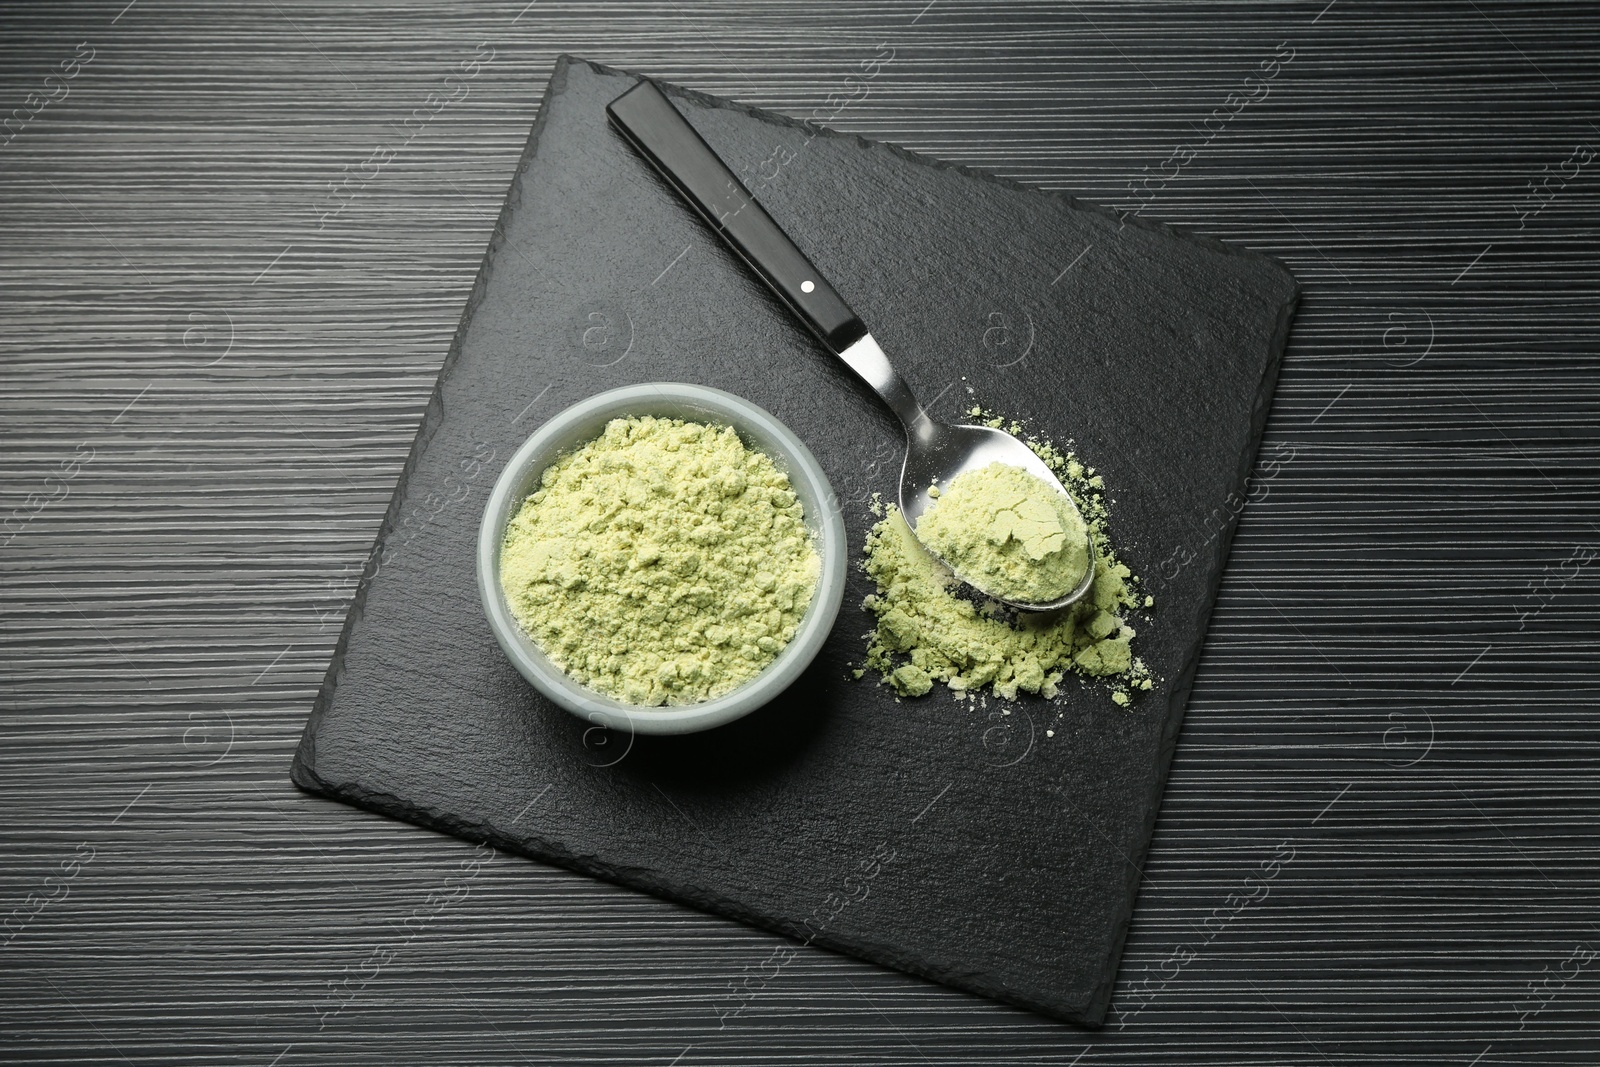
(1009, 533)
(663, 562)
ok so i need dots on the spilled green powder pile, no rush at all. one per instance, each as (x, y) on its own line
(925, 633)
(1009, 533)
(661, 563)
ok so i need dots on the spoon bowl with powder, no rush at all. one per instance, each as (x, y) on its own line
(1008, 527)
(991, 510)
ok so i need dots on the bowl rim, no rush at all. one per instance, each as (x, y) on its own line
(758, 428)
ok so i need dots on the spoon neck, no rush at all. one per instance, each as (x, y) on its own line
(919, 425)
(866, 358)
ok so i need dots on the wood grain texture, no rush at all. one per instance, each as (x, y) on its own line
(1393, 716)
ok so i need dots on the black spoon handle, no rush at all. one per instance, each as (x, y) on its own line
(664, 137)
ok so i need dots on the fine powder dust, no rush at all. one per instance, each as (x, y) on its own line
(663, 562)
(926, 633)
(1008, 533)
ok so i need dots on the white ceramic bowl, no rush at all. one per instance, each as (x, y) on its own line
(581, 423)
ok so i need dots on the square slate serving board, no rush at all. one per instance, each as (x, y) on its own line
(949, 839)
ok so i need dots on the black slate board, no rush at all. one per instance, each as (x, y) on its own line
(941, 838)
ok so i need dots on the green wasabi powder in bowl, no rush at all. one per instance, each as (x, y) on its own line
(662, 558)
(664, 562)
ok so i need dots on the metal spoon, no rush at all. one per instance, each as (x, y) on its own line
(936, 452)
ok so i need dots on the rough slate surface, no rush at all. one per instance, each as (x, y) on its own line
(1398, 681)
(952, 841)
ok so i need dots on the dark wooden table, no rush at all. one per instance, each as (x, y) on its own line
(235, 241)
